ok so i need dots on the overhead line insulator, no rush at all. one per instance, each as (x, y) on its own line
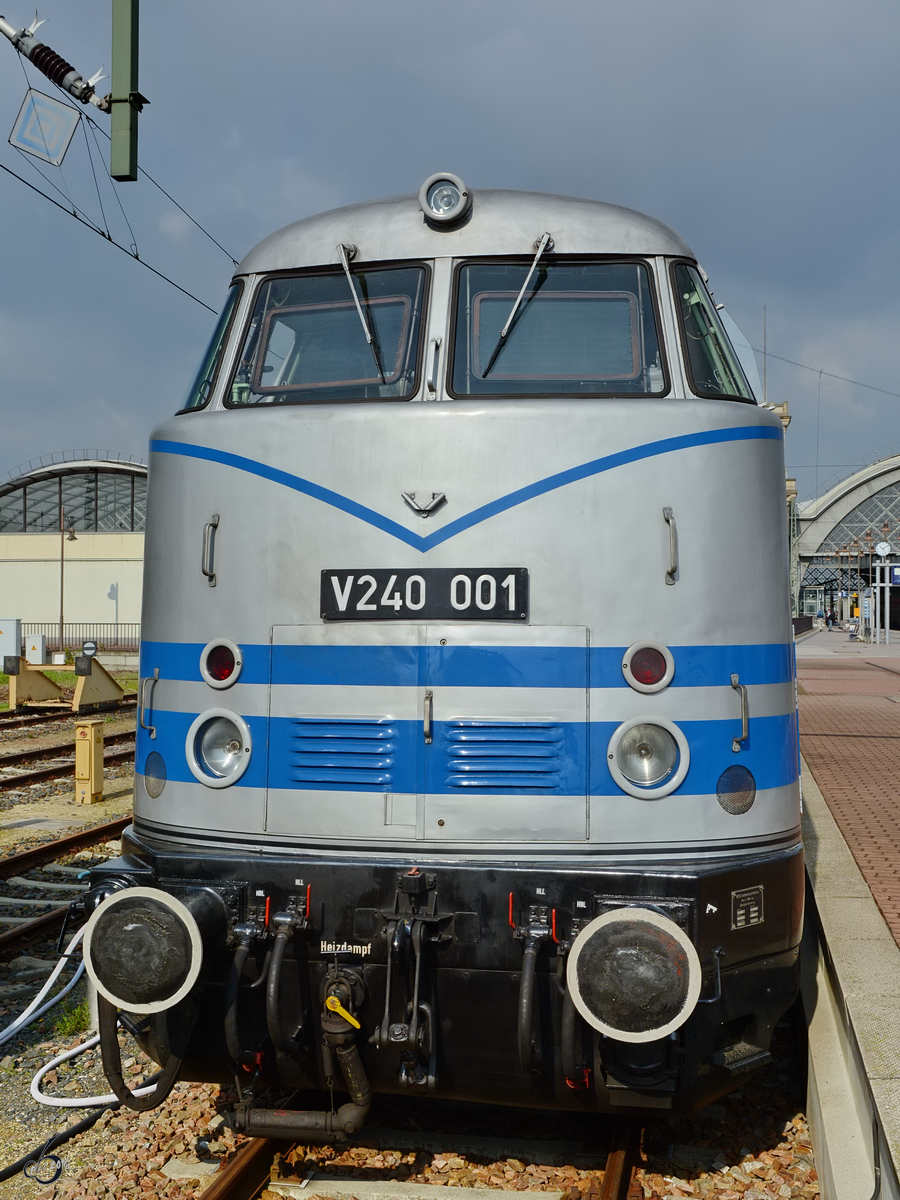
(49, 63)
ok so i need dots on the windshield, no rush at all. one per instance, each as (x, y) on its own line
(580, 329)
(306, 341)
(198, 392)
(712, 363)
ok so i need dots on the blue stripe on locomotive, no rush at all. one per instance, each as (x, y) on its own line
(426, 542)
(768, 753)
(471, 666)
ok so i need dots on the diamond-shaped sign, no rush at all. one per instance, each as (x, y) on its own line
(44, 127)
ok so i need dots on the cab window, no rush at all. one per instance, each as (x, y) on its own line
(316, 337)
(202, 385)
(712, 363)
(580, 329)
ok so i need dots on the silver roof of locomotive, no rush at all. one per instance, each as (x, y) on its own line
(501, 222)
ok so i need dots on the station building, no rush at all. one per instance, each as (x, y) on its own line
(837, 536)
(72, 546)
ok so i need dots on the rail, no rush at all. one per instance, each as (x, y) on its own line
(14, 719)
(58, 770)
(60, 749)
(251, 1171)
(14, 941)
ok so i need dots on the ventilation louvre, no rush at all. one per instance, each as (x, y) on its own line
(484, 756)
(343, 752)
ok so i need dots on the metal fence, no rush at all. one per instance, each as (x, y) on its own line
(111, 637)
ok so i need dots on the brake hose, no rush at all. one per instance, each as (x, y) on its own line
(112, 1060)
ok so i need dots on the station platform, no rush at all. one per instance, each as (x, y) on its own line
(849, 701)
(849, 698)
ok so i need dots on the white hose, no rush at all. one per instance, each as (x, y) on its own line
(29, 1015)
(82, 1101)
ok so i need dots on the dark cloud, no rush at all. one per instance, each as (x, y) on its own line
(763, 133)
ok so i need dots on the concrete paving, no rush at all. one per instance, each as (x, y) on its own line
(849, 698)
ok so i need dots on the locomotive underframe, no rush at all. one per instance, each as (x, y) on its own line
(372, 921)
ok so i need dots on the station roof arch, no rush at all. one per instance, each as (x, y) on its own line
(93, 491)
(862, 501)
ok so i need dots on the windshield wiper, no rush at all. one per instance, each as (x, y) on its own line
(541, 246)
(345, 253)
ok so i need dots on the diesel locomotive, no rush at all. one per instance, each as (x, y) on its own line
(467, 758)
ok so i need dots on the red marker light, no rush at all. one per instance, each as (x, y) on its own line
(220, 662)
(648, 665)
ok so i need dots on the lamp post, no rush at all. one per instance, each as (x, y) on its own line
(63, 538)
(856, 549)
(831, 555)
(869, 539)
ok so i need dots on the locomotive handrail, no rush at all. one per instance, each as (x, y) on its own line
(745, 713)
(431, 379)
(669, 519)
(143, 706)
(426, 720)
(209, 548)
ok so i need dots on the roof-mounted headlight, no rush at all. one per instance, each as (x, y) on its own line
(444, 198)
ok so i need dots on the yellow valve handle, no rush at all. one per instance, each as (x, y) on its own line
(335, 1006)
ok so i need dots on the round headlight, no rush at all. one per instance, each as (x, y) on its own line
(444, 198)
(218, 747)
(648, 757)
(647, 754)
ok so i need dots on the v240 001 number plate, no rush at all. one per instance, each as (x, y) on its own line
(436, 593)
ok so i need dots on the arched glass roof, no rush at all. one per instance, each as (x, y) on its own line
(868, 517)
(89, 495)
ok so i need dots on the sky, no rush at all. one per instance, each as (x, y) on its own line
(764, 133)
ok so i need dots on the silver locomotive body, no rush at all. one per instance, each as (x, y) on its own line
(468, 747)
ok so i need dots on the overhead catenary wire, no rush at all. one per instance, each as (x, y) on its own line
(109, 239)
(87, 146)
(95, 126)
(134, 245)
(171, 199)
(830, 374)
(86, 220)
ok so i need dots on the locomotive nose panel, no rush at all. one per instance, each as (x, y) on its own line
(463, 733)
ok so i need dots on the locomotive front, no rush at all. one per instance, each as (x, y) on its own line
(467, 760)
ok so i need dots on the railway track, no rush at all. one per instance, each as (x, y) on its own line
(60, 748)
(38, 868)
(14, 719)
(261, 1164)
(65, 751)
